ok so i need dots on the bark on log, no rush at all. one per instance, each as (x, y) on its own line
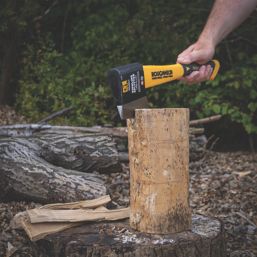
(117, 239)
(85, 152)
(69, 148)
(26, 175)
(159, 176)
(118, 134)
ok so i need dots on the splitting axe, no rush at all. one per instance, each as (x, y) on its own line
(129, 82)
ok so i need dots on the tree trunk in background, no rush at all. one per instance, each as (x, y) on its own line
(8, 66)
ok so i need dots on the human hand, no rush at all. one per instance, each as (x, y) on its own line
(199, 52)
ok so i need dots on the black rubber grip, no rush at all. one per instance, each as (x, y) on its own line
(189, 68)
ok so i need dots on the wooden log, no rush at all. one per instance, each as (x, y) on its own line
(85, 152)
(159, 180)
(69, 147)
(25, 175)
(118, 239)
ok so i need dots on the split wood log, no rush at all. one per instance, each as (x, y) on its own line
(40, 230)
(45, 215)
(159, 177)
(117, 239)
(57, 217)
(94, 203)
(65, 219)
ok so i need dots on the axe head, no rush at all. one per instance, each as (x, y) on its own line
(128, 87)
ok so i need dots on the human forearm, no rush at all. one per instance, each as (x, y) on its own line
(225, 16)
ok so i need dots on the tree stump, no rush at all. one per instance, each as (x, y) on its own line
(117, 239)
(159, 177)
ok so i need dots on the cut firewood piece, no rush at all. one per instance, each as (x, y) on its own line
(16, 222)
(79, 205)
(159, 181)
(40, 230)
(45, 215)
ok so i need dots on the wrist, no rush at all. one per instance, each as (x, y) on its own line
(207, 41)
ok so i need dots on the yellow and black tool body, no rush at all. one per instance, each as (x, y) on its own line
(129, 82)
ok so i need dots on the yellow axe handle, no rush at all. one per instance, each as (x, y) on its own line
(155, 75)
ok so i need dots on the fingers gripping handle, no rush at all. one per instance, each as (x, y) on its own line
(189, 68)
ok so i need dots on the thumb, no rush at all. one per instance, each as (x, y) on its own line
(198, 56)
(193, 56)
(184, 56)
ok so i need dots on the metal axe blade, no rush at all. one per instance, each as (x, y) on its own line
(128, 87)
(127, 110)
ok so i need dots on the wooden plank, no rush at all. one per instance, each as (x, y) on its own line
(45, 215)
(159, 181)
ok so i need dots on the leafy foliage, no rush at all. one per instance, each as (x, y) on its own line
(65, 64)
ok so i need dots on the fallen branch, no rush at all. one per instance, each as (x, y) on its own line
(54, 115)
(22, 130)
(205, 120)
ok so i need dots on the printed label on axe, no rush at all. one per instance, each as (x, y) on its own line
(125, 86)
(162, 74)
(132, 85)
(135, 83)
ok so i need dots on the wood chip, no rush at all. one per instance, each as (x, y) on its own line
(242, 173)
